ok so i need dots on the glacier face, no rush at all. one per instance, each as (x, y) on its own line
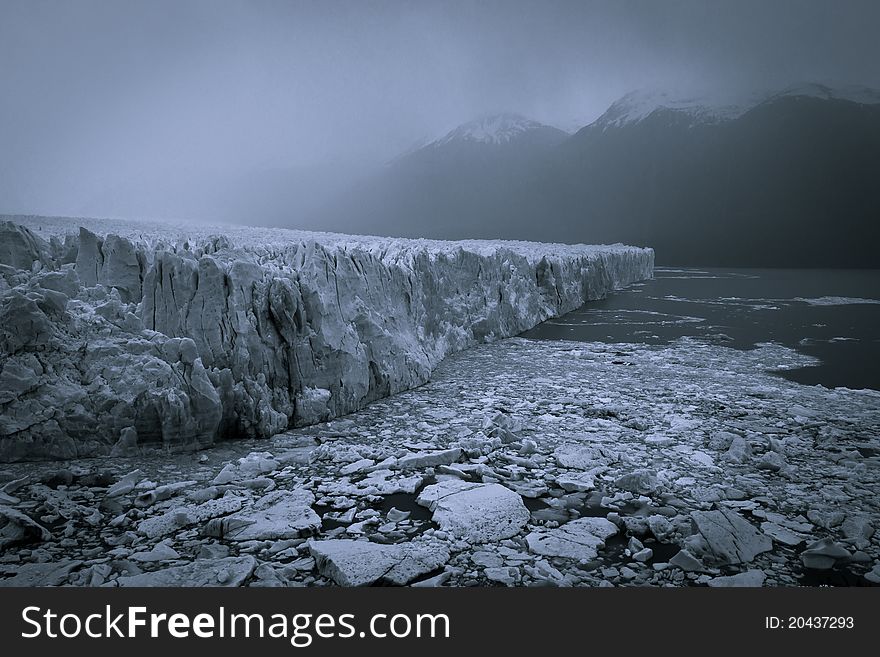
(190, 336)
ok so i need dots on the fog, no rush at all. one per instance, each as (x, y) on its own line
(160, 108)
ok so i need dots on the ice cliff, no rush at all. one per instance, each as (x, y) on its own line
(189, 336)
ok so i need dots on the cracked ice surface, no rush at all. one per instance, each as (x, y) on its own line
(639, 465)
(124, 334)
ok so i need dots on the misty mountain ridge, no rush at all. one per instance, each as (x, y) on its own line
(783, 178)
(640, 104)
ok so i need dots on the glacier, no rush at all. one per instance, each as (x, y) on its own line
(116, 334)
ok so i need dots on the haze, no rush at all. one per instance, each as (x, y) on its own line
(152, 108)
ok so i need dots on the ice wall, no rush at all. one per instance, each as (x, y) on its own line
(188, 336)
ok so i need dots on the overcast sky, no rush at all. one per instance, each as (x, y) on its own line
(94, 93)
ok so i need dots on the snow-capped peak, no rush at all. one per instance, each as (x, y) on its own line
(701, 109)
(639, 105)
(492, 129)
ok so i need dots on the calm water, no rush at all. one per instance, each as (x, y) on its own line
(832, 315)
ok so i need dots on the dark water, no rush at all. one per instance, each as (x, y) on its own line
(833, 315)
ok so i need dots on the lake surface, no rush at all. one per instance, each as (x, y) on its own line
(832, 315)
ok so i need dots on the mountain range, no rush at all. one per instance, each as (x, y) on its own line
(788, 178)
